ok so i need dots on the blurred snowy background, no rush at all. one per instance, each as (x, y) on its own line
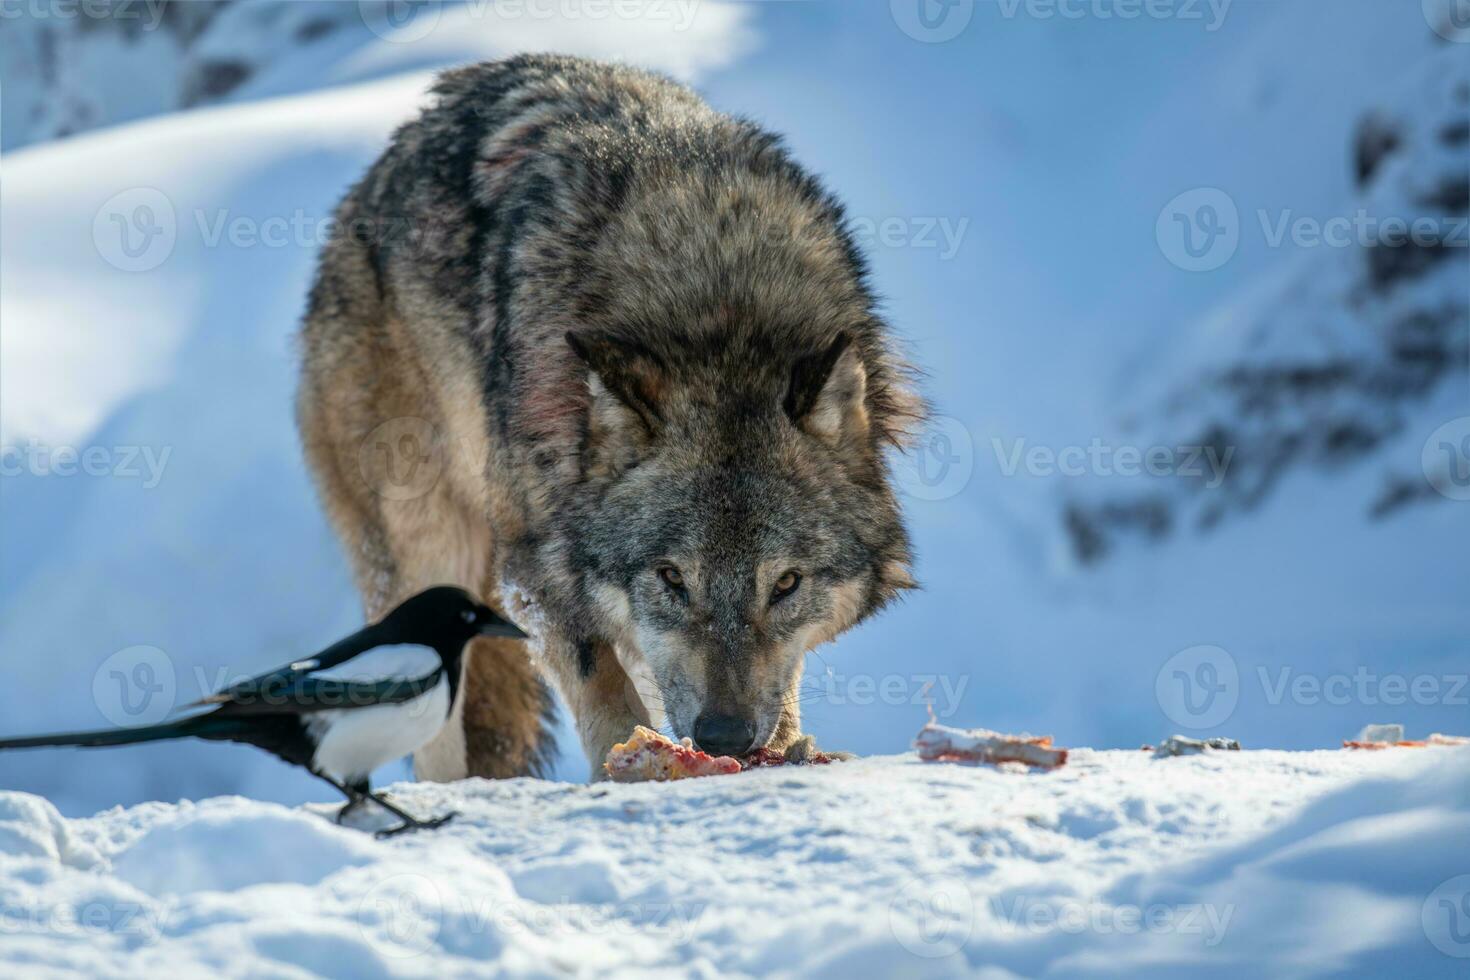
(1189, 280)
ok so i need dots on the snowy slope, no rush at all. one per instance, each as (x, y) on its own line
(1237, 864)
(67, 68)
(107, 64)
(1334, 355)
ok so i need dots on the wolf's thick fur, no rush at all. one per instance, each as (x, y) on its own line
(598, 352)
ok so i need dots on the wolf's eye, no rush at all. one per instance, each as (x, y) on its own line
(468, 615)
(785, 585)
(671, 576)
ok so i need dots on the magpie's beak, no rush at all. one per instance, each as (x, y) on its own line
(495, 626)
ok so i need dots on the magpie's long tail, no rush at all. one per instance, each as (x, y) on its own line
(198, 726)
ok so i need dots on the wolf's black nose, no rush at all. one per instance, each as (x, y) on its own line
(724, 734)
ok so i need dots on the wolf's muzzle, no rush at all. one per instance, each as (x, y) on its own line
(724, 734)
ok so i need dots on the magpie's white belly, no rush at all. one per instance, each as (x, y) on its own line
(353, 742)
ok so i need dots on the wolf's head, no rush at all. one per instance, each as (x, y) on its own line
(742, 516)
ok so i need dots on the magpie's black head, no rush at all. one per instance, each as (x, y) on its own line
(446, 618)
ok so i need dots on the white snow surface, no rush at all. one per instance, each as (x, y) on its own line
(1226, 864)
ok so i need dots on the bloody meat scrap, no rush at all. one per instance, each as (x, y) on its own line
(647, 755)
(1435, 739)
(802, 752)
(940, 743)
(650, 756)
(1380, 736)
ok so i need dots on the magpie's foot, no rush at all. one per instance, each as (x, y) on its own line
(348, 809)
(411, 824)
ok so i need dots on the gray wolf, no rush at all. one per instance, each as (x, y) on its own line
(610, 360)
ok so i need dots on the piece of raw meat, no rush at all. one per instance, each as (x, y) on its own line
(940, 743)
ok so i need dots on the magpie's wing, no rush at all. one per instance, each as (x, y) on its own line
(343, 650)
(342, 676)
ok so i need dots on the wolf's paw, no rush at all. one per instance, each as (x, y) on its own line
(804, 749)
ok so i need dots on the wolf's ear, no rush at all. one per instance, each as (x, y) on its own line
(828, 393)
(628, 384)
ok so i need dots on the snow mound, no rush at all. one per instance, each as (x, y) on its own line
(32, 827)
(199, 851)
(1222, 864)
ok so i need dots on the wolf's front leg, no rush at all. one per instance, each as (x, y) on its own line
(789, 740)
(788, 729)
(599, 692)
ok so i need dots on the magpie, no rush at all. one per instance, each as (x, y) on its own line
(376, 696)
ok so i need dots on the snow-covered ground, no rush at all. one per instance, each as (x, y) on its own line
(1282, 864)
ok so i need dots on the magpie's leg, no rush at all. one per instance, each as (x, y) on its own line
(357, 796)
(359, 792)
(354, 792)
(410, 822)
